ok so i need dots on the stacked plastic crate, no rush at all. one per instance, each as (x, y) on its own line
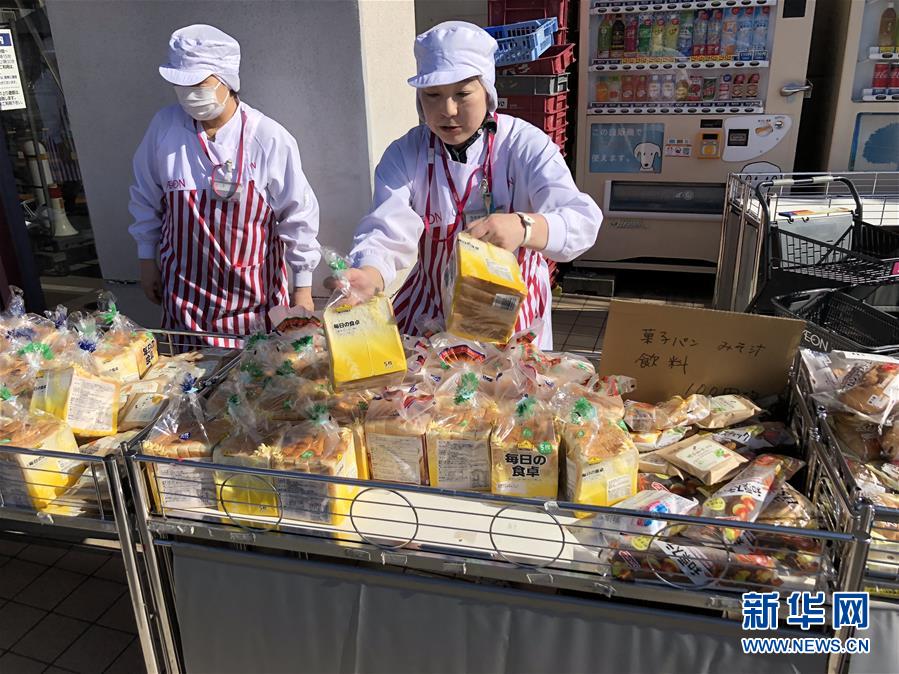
(531, 64)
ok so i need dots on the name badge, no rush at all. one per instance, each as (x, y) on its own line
(469, 217)
(224, 184)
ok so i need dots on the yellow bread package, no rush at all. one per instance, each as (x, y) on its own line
(348, 410)
(126, 351)
(459, 434)
(364, 343)
(525, 451)
(28, 481)
(601, 461)
(87, 403)
(396, 426)
(482, 291)
(319, 447)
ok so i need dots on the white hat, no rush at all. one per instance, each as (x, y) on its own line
(453, 51)
(198, 51)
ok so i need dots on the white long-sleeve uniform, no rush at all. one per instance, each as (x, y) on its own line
(224, 264)
(529, 175)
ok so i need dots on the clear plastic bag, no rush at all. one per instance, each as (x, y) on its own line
(396, 426)
(678, 411)
(525, 450)
(180, 432)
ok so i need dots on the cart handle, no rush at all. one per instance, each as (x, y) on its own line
(762, 196)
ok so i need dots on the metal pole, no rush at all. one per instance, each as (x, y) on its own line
(129, 557)
(152, 565)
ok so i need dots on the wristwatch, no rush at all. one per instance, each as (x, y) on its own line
(528, 223)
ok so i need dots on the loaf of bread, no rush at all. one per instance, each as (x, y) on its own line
(524, 451)
(483, 291)
(395, 439)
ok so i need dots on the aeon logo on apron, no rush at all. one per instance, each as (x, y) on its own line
(432, 219)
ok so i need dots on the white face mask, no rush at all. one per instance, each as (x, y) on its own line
(201, 103)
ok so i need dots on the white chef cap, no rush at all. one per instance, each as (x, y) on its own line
(453, 51)
(198, 51)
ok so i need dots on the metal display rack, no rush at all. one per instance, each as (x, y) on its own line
(95, 500)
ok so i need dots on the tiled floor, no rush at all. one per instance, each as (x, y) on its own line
(64, 609)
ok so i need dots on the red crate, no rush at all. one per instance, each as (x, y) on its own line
(549, 121)
(500, 12)
(559, 136)
(533, 104)
(554, 61)
(561, 36)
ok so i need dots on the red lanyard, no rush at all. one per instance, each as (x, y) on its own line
(486, 169)
(243, 126)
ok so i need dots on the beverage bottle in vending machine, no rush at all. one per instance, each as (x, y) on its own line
(602, 90)
(657, 41)
(694, 93)
(604, 39)
(752, 86)
(654, 91)
(668, 88)
(894, 77)
(745, 25)
(881, 79)
(738, 90)
(713, 34)
(709, 88)
(760, 33)
(672, 31)
(729, 32)
(644, 36)
(700, 33)
(886, 36)
(682, 86)
(614, 89)
(616, 49)
(724, 83)
(627, 88)
(640, 90)
(630, 36)
(685, 34)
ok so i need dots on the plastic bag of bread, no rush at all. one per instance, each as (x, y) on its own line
(687, 486)
(868, 385)
(458, 439)
(483, 291)
(34, 482)
(642, 417)
(651, 441)
(701, 456)
(858, 436)
(728, 410)
(180, 432)
(126, 351)
(525, 450)
(316, 446)
(608, 406)
(396, 427)
(364, 343)
(601, 461)
(889, 441)
(744, 498)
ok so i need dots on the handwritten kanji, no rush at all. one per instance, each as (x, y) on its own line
(645, 360)
(648, 334)
(675, 362)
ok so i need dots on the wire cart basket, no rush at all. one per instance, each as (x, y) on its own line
(73, 495)
(784, 233)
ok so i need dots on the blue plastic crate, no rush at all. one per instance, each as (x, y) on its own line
(524, 41)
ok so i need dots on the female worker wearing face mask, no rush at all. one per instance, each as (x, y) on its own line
(467, 168)
(220, 199)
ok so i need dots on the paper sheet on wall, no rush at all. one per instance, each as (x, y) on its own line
(11, 95)
(675, 350)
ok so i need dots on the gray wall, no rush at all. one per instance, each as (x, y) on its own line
(301, 64)
(429, 13)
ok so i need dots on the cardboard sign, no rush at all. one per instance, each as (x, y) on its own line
(674, 350)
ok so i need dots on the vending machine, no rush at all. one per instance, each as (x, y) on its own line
(863, 134)
(677, 96)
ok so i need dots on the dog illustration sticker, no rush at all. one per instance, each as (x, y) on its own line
(626, 148)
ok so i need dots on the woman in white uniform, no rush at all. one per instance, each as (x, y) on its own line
(220, 204)
(467, 168)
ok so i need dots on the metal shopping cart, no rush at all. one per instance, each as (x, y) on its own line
(791, 232)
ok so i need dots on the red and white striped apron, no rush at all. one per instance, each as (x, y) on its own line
(419, 300)
(222, 263)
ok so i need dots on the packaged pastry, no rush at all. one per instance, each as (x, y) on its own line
(789, 508)
(858, 436)
(650, 441)
(728, 410)
(28, 481)
(701, 456)
(642, 417)
(648, 501)
(525, 451)
(767, 435)
(868, 385)
(687, 486)
(364, 343)
(482, 291)
(601, 460)
(458, 439)
(396, 427)
(657, 462)
(744, 497)
(889, 441)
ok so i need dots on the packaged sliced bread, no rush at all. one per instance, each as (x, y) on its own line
(525, 451)
(89, 404)
(483, 291)
(396, 427)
